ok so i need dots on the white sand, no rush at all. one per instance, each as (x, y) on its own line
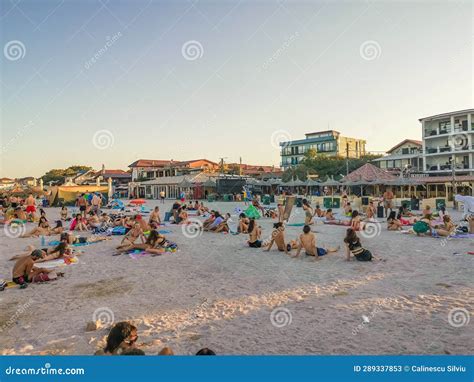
(216, 292)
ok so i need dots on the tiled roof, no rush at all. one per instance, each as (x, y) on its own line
(368, 172)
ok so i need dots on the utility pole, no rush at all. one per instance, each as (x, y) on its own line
(240, 166)
(347, 158)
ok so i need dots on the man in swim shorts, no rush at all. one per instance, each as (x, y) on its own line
(388, 200)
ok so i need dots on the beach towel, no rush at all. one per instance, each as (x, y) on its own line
(296, 224)
(120, 230)
(51, 264)
(55, 243)
(336, 222)
(462, 236)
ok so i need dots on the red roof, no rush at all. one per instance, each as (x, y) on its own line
(419, 143)
(369, 173)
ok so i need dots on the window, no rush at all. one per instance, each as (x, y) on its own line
(405, 151)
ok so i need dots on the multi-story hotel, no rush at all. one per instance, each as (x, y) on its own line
(329, 142)
(404, 157)
(448, 143)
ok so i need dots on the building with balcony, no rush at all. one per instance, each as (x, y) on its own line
(407, 156)
(329, 142)
(448, 143)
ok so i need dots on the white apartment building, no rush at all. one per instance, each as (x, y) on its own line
(448, 140)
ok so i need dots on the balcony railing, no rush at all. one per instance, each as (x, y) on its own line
(448, 149)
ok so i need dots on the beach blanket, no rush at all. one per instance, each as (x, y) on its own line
(336, 222)
(51, 264)
(8, 285)
(55, 243)
(296, 224)
(462, 236)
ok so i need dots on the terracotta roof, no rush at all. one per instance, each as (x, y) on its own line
(150, 163)
(368, 172)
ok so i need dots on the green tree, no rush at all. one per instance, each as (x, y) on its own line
(59, 175)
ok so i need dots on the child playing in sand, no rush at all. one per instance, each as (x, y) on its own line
(307, 240)
(354, 246)
(25, 272)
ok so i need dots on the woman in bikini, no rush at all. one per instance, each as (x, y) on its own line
(447, 228)
(354, 247)
(308, 213)
(393, 224)
(131, 237)
(254, 234)
(43, 229)
(356, 223)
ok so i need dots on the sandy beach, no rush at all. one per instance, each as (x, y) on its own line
(216, 292)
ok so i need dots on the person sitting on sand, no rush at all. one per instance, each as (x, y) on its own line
(422, 226)
(329, 215)
(209, 220)
(371, 210)
(122, 338)
(356, 223)
(404, 211)
(447, 228)
(154, 244)
(318, 212)
(222, 226)
(393, 224)
(64, 214)
(308, 220)
(278, 238)
(131, 236)
(243, 223)
(78, 223)
(254, 232)
(155, 219)
(183, 215)
(307, 240)
(43, 229)
(218, 219)
(354, 246)
(25, 272)
(348, 209)
(93, 221)
(21, 215)
(138, 219)
(426, 211)
(174, 211)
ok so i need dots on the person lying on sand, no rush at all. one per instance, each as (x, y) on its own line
(308, 242)
(330, 215)
(122, 338)
(393, 224)
(131, 236)
(422, 226)
(206, 223)
(254, 234)
(25, 272)
(278, 238)
(218, 219)
(354, 246)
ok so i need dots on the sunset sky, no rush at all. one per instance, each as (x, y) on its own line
(92, 82)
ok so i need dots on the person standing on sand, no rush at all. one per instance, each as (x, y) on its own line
(388, 200)
(30, 206)
(162, 197)
(82, 204)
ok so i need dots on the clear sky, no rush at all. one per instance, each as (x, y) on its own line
(200, 79)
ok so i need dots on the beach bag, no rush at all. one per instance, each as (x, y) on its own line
(421, 227)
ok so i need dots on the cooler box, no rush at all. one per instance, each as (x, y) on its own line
(266, 200)
(440, 203)
(327, 203)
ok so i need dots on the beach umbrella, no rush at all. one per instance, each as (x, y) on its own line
(275, 182)
(138, 201)
(330, 182)
(209, 183)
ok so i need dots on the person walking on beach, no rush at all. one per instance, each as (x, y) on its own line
(30, 206)
(82, 204)
(162, 197)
